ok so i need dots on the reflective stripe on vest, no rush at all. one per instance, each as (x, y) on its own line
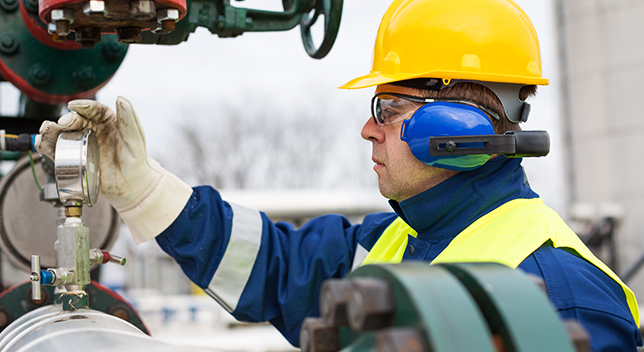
(507, 235)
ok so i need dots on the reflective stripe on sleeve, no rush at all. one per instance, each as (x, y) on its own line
(359, 257)
(234, 270)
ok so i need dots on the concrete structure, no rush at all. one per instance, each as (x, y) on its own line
(602, 70)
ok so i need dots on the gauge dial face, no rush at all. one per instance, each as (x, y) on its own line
(77, 167)
(91, 169)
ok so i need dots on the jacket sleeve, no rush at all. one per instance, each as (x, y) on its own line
(259, 270)
(580, 291)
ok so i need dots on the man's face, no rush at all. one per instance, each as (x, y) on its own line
(400, 174)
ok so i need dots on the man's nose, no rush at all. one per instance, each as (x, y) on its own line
(372, 132)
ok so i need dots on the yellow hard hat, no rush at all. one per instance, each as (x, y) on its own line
(477, 40)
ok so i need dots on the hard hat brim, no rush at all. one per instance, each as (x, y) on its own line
(375, 78)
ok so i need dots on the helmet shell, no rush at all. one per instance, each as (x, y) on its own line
(480, 40)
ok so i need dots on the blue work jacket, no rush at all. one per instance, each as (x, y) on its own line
(264, 271)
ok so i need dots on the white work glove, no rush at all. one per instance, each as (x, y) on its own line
(147, 197)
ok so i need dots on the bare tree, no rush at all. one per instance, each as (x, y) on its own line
(235, 147)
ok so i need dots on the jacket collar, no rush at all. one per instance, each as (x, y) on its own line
(446, 209)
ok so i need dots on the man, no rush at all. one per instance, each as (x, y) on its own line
(464, 66)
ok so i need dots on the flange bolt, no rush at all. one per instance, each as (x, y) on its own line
(83, 76)
(371, 305)
(128, 35)
(334, 296)
(112, 49)
(87, 37)
(94, 9)
(166, 21)
(317, 336)
(8, 44)
(39, 74)
(143, 9)
(9, 5)
(62, 19)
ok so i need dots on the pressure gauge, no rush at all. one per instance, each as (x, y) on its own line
(77, 168)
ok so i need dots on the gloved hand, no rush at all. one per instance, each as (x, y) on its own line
(147, 197)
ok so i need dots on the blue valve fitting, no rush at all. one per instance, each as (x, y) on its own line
(46, 277)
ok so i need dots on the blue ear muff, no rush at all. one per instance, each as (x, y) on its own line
(446, 119)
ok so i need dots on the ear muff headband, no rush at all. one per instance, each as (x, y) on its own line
(446, 119)
(460, 137)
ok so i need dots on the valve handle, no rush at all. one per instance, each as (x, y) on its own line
(332, 11)
(35, 277)
(100, 256)
(112, 258)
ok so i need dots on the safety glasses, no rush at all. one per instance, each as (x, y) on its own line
(390, 108)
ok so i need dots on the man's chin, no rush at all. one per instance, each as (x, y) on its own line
(385, 191)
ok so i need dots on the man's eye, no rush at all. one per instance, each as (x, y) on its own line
(388, 114)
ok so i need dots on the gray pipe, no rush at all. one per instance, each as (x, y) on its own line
(50, 329)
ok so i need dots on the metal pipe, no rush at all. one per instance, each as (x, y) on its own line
(50, 329)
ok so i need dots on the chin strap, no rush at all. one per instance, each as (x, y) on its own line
(512, 144)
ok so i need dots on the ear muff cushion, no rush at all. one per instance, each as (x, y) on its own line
(446, 119)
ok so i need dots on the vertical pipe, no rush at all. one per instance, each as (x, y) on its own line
(570, 195)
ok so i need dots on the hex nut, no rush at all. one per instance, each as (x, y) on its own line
(62, 15)
(128, 35)
(317, 336)
(51, 28)
(88, 36)
(371, 305)
(334, 296)
(400, 340)
(167, 14)
(143, 9)
(94, 7)
(166, 21)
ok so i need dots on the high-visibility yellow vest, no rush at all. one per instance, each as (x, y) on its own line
(507, 235)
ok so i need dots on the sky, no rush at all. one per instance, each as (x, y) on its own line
(171, 86)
